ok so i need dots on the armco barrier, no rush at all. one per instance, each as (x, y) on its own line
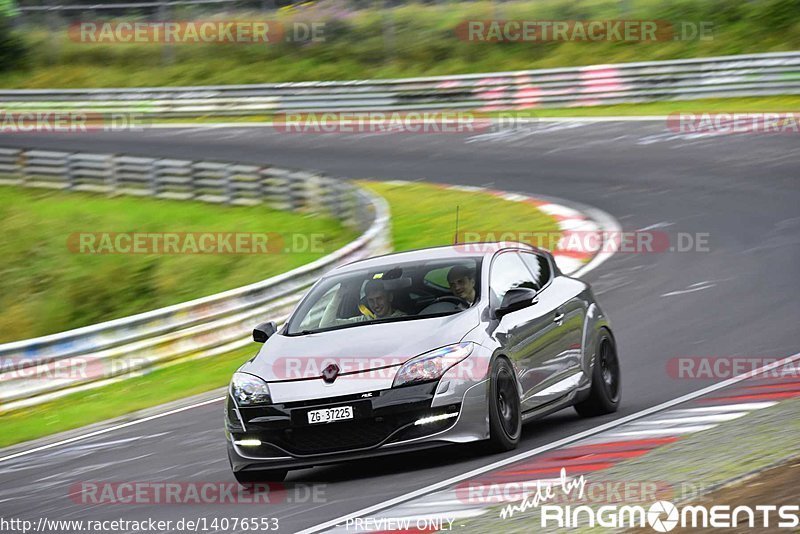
(206, 326)
(744, 75)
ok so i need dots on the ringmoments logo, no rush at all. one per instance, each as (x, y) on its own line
(660, 516)
(664, 516)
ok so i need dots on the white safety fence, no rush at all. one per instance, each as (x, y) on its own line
(728, 76)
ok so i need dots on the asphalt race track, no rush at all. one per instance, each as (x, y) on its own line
(740, 298)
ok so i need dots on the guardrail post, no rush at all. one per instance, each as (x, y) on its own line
(330, 190)
(277, 188)
(71, 171)
(152, 176)
(10, 165)
(111, 175)
(296, 192)
(343, 208)
(229, 190)
(23, 168)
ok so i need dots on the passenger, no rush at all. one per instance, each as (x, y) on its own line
(462, 283)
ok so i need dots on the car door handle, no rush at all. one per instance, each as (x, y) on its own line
(558, 318)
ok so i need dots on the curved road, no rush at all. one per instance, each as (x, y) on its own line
(738, 298)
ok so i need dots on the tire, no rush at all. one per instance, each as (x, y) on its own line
(605, 393)
(247, 478)
(505, 415)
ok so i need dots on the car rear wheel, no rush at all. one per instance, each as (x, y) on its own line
(505, 419)
(605, 393)
(246, 478)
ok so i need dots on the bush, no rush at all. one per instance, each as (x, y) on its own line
(409, 39)
(12, 47)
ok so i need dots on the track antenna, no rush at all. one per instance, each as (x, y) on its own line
(455, 237)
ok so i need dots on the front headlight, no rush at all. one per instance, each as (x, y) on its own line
(249, 390)
(432, 365)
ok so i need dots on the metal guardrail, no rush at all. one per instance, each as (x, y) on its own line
(744, 75)
(206, 326)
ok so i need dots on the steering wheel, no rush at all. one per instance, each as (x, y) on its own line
(458, 301)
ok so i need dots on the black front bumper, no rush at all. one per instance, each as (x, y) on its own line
(380, 418)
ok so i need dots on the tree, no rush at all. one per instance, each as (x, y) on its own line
(12, 48)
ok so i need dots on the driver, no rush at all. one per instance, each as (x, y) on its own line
(462, 283)
(379, 300)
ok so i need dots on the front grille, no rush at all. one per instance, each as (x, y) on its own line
(339, 436)
(387, 416)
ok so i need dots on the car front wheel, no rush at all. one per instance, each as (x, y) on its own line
(505, 418)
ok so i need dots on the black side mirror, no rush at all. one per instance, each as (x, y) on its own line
(516, 299)
(262, 332)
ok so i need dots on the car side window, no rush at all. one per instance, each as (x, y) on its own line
(323, 310)
(539, 267)
(438, 278)
(508, 271)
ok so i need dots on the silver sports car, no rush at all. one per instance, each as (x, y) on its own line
(420, 349)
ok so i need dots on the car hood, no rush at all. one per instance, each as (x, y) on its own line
(357, 348)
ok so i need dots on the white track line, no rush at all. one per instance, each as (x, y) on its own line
(691, 419)
(107, 430)
(533, 452)
(747, 407)
(655, 432)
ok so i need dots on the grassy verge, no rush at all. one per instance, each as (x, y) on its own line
(408, 40)
(760, 104)
(47, 287)
(777, 104)
(422, 215)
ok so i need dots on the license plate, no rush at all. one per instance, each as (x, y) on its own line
(328, 415)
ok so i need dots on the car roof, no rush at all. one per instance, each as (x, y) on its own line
(464, 250)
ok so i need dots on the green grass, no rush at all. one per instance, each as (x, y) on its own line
(45, 287)
(423, 42)
(422, 215)
(425, 215)
(788, 103)
(783, 103)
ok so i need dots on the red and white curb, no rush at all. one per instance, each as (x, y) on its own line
(483, 493)
(570, 221)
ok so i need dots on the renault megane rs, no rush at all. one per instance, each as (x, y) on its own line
(420, 349)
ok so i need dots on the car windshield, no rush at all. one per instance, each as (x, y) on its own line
(392, 292)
